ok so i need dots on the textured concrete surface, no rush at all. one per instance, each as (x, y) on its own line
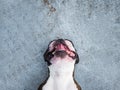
(27, 26)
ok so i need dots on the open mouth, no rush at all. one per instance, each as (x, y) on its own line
(60, 49)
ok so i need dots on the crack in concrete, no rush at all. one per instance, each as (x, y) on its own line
(52, 9)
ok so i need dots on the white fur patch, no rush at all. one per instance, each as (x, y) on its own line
(61, 76)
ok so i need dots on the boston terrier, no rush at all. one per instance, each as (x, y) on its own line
(61, 58)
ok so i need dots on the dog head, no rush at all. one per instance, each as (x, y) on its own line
(61, 49)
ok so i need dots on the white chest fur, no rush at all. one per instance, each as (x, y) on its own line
(61, 76)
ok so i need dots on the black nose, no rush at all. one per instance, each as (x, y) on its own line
(60, 40)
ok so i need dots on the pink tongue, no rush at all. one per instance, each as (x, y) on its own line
(60, 47)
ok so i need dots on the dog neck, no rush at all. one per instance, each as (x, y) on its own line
(62, 68)
(61, 76)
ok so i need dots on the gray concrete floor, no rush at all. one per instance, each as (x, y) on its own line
(27, 26)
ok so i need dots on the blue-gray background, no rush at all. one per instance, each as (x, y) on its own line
(27, 26)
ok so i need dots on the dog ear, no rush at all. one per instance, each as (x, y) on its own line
(77, 59)
(46, 58)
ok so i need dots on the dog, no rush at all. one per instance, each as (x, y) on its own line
(61, 57)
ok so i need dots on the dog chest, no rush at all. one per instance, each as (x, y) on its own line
(60, 84)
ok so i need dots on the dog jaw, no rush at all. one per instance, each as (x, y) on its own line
(60, 49)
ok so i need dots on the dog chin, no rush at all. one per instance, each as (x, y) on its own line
(58, 59)
(60, 54)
